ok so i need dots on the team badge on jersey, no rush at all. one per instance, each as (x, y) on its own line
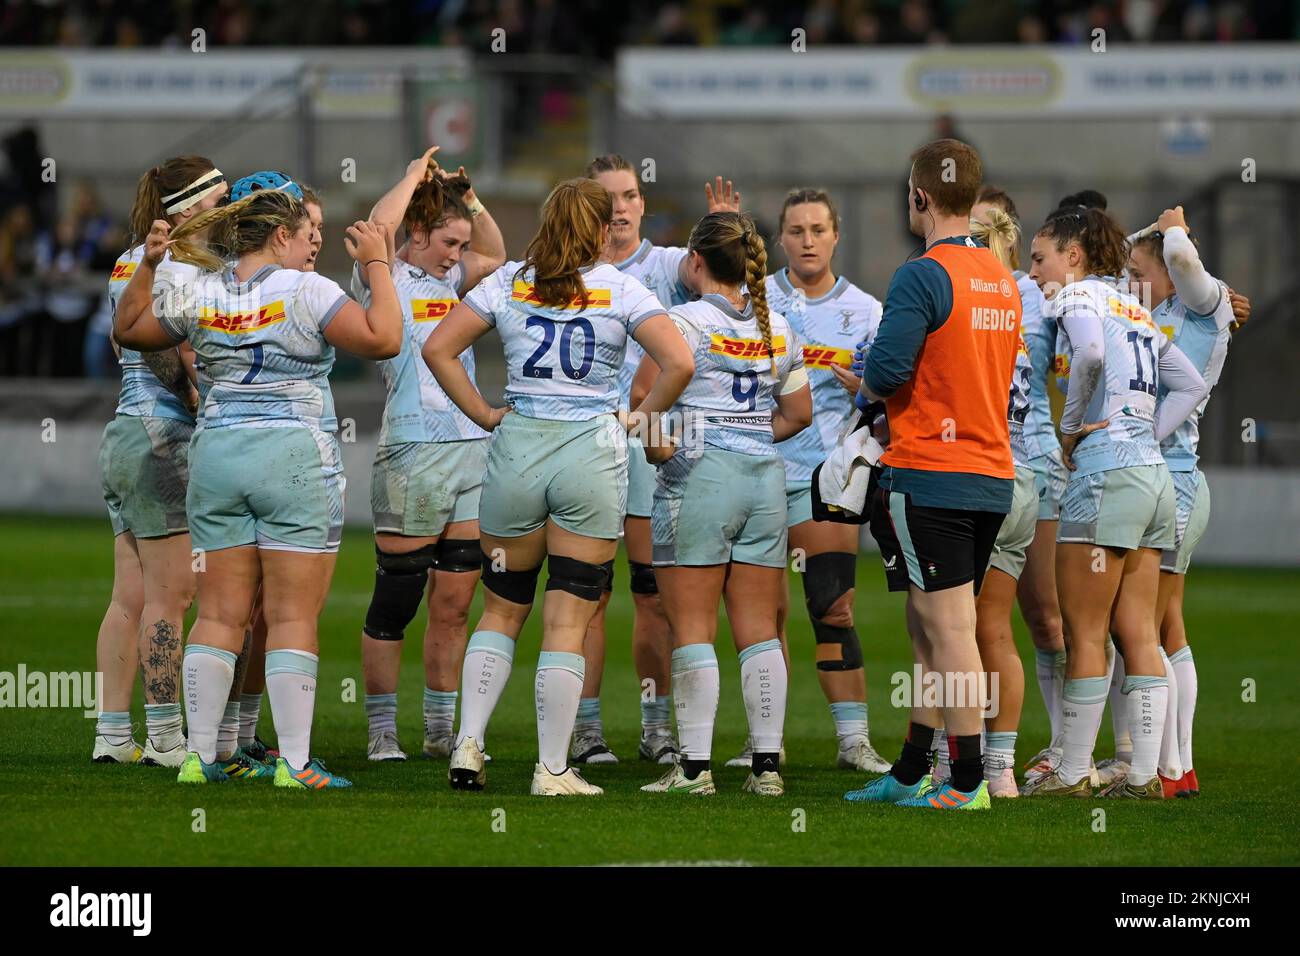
(431, 310)
(237, 323)
(824, 356)
(846, 316)
(596, 298)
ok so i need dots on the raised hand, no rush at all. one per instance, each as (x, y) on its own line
(156, 243)
(721, 199)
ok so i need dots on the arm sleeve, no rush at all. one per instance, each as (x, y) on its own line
(170, 306)
(918, 302)
(1199, 290)
(639, 303)
(322, 298)
(1185, 387)
(1082, 324)
(482, 296)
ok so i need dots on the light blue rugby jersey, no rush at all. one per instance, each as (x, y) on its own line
(1019, 403)
(1204, 340)
(659, 270)
(729, 401)
(1126, 390)
(563, 363)
(417, 409)
(1039, 330)
(829, 327)
(142, 395)
(261, 344)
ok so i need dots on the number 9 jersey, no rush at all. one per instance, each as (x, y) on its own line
(563, 361)
(1094, 312)
(728, 403)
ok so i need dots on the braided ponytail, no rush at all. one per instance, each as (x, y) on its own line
(755, 280)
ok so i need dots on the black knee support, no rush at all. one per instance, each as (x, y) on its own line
(643, 578)
(399, 585)
(458, 554)
(609, 578)
(575, 577)
(518, 587)
(826, 578)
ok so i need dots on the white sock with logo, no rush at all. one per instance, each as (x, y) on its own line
(486, 670)
(695, 698)
(291, 688)
(208, 673)
(763, 685)
(558, 689)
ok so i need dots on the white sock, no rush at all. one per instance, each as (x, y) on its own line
(381, 714)
(483, 677)
(850, 718)
(557, 691)
(1148, 703)
(439, 713)
(999, 752)
(208, 672)
(695, 698)
(763, 685)
(291, 688)
(1184, 669)
(228, 731)
(1049, 668)
(942, 759)
(1119, 716)
(163, 724)
(1083, 702)
(115, 725)
(250, 709)
(1171, 764)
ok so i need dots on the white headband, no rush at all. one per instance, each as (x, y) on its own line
(194, 193)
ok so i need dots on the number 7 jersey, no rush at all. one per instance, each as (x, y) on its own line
(1125, 392)
(562, 362)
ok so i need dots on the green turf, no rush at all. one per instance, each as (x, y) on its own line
(55, 578)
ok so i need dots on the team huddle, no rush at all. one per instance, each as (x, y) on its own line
(723, 422)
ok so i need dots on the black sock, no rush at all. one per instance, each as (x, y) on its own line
(914, 763)
(693, 768)
(764, 763)
(967, 762)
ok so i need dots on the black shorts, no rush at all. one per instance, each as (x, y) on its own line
(932, 548)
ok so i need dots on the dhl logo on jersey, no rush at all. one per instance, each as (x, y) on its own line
(1134, 313)
(596, 298)
(431, 310)
(824, 356)
(744, 348)
(237, 323)
(1061, 365)
(122, 271)
(1169, 331)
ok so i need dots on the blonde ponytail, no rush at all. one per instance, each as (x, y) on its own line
(1001, 234)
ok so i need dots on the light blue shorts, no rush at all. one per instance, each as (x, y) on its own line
(640, 482)
(574, 473)
(798, 502)
(143, 469)
(1050, 477)
(418, 488)
(1192, 507)
(278, 488)
(1017, 531)
(1121, 508)
(715, 506)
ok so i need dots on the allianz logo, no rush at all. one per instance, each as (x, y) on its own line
(1002, 287)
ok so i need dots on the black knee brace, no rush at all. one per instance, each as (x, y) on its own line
(609, 578)
(576, 577)
(518, 587)
(826, 579)
(399, 585)
(458, 554)
(643, 578)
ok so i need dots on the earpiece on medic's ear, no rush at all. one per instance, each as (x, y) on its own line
(918, 200)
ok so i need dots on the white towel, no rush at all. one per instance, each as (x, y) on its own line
(842, 481)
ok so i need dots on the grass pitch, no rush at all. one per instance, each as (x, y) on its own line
(60, 809)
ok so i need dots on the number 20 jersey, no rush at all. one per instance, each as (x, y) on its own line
(562, 362)
(1126, 390)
